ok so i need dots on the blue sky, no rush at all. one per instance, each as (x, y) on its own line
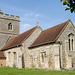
(47, 12)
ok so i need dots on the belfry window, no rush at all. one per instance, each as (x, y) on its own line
(9, 26)
(71, 42)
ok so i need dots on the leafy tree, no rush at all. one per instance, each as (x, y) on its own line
(70, 5)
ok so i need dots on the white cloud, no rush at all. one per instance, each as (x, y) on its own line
(32, 14)
(29, 20)
(29, 17)
(26, 25)
(37, 15)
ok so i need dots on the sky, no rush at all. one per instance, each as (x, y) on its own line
(47, 12)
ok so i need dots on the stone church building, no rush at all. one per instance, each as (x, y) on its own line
(53, 48)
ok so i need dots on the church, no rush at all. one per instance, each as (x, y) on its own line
(52, 49)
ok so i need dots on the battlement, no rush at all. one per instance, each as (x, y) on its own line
(10, 17)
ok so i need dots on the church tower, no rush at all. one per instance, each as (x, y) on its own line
(9, 27)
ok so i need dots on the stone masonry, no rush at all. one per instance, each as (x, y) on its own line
(6, 34)
(55, 55)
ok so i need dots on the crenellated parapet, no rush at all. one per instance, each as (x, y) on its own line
(9, 17)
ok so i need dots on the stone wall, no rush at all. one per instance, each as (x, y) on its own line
(32, 58)
(27, 44)
(66, 55)
(4, 38)
(12, 62)
(5, 20)
(51, 57)
(22, 52)
(5, 34)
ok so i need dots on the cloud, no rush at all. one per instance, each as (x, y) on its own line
(26, 25)
(30, 17)
(32, 14)
(37, 15)
(28, 20)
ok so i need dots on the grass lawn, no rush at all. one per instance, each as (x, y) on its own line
(14, 71)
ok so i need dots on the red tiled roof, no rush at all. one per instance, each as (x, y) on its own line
(46, 36)
(2, 55)
(18, 39)
(50, 35)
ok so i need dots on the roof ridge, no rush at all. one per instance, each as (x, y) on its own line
(55, 25)
(63, 25)
(19, 36)
(63, 28)
(22, 33)
(27, 30)
(29, 34)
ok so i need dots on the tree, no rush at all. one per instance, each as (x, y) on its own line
(70, 5)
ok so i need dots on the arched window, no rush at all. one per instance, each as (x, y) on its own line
(15, 56)
(71, 41)
(9, 26)
(72, 44)
(42, 57)
(69, 45)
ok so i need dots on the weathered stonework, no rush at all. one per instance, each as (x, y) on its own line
(66, 55)
(27, 43)
(55, 55)
(13, 62)
(6, 34)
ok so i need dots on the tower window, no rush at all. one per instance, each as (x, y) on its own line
(9, 26)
